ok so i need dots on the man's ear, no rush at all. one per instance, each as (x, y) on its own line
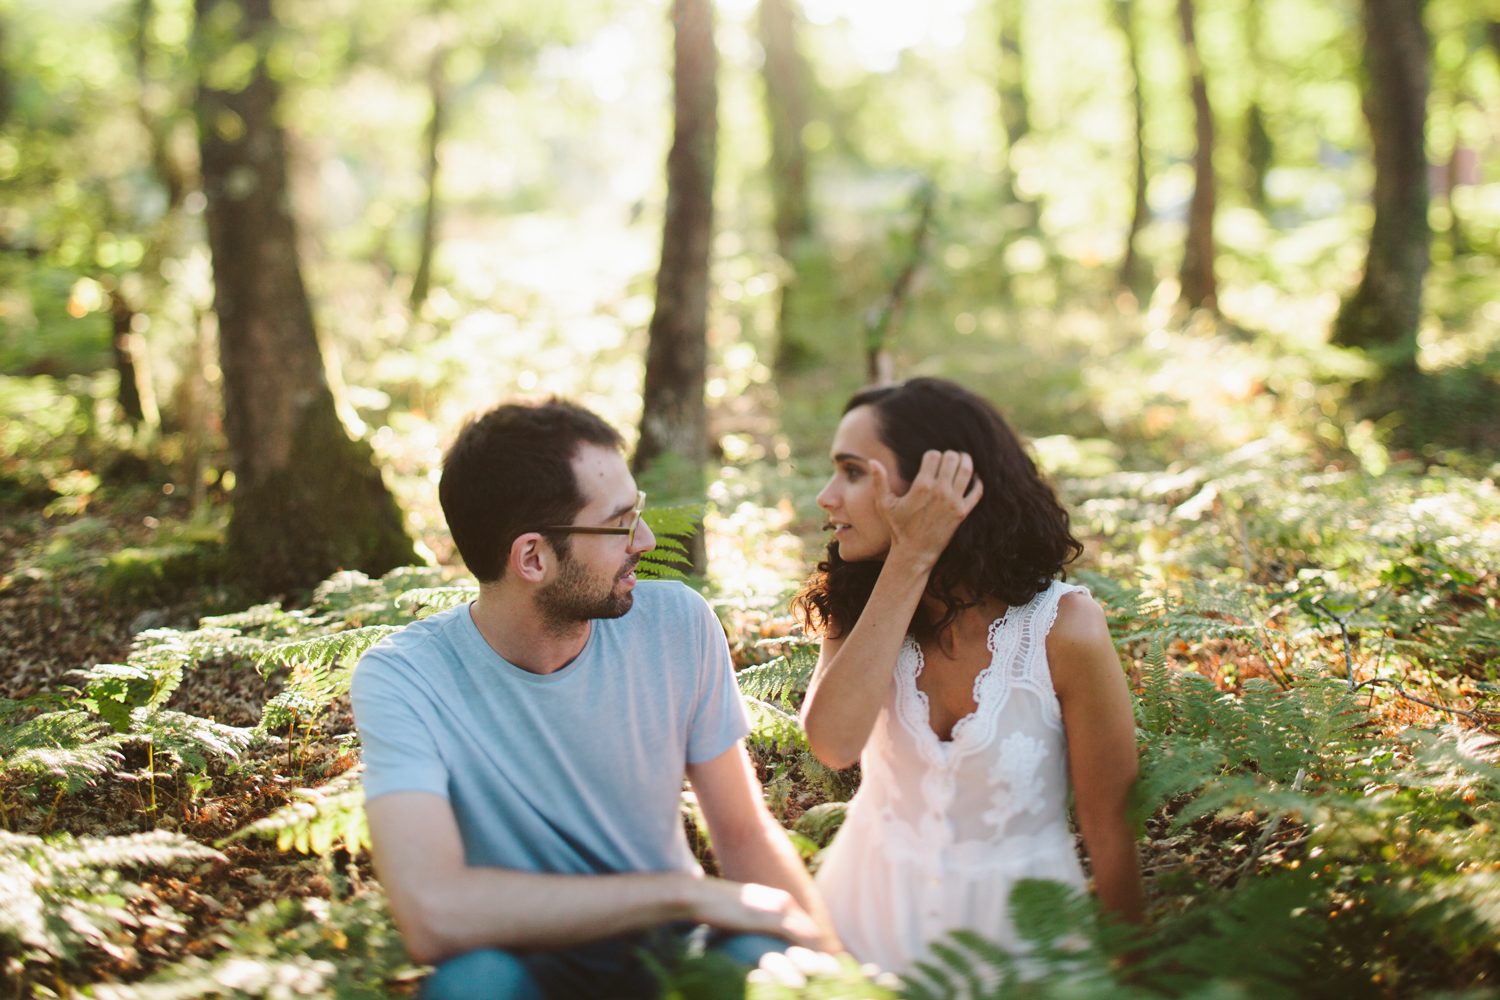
(530, 557)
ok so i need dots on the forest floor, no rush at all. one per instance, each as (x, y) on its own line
(50, 628)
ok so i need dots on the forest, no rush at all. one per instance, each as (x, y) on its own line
(1230, 266)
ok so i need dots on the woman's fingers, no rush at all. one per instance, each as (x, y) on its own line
(970, 499)
(881, 480)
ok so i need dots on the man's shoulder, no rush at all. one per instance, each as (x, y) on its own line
(415, 647)
(663, 602)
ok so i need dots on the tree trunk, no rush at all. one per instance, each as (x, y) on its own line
(1260, 152)
(307, 499)
(1458, 241)
(1199, 289)
(1015, 114)
(786, 77)
(883, 319)
(1133, 272)
(129, 392)
(421, 282)
(1386, 308)
(674, 419)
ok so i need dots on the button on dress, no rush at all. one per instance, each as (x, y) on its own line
(940, 831)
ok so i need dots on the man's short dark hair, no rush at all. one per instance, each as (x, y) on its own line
(510, 472)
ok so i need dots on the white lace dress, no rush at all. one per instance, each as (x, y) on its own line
(940, 831)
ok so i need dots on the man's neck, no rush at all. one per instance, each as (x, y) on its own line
(509, 622)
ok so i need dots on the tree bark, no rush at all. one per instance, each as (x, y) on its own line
(307, 499)
(883, 319)
(1133, 273)
(1015, 113)
(1260, 151)
(1199, 288)
(421, 282)
(1385, 309)
(674, 419)
(786, 77)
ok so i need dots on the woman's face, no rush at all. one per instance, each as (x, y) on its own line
(849, 498)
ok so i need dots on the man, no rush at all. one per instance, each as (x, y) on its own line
(524, 754)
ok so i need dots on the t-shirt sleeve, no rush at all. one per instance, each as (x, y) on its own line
(719, 717)
(399, 752)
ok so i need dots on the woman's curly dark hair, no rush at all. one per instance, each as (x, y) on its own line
(1012, 544)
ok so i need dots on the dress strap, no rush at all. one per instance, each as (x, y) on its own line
(1032, 669)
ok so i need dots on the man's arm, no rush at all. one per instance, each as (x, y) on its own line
(751, 846)
(444, 907)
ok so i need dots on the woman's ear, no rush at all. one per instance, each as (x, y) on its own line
(529, 557)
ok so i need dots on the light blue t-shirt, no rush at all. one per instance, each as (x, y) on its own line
(577, 771)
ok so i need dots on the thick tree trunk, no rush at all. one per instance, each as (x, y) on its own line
(786, 77)
(1133, 271)
(1015, 113)
(1199, 288)
(1386, 308)
(421, 282)
(307, 499)
(674, 419)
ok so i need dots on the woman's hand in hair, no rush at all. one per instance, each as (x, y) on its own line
(923, 519)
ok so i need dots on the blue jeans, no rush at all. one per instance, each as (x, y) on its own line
(608, 970)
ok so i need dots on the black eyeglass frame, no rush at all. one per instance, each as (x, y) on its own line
(581, 529)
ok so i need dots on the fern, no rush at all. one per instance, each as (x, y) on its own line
(68, 747)
(345, 949)
(773, 728)
(674, 528)
(782, 680)
(326, 818)
(430, 600)
(61, 895)
(188, 740)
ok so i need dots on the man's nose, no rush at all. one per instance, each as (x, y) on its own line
(645, 541)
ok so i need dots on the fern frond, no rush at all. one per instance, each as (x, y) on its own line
(430, 600)
(821, 822)
(189, 740)
(673, 528)
(779, 679)
(774, 728)
(327, 817)
(346, 647)
(61, 894)
(322, 949)
(68, 747)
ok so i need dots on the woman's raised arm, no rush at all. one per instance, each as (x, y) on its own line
(854, 669)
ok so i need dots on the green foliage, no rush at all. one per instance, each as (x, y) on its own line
(327, 817)
(782, 680)
(773, 728)
(61, 895)
(430, 600)
(334, 949)
(66, 746)
(674, 528)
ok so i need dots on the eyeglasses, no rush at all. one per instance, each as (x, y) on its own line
(629, 529)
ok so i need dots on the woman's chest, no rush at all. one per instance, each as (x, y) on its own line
(948, 683)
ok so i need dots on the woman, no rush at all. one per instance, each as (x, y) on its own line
(969, 683)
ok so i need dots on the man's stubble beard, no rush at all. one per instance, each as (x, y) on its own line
(574, 598)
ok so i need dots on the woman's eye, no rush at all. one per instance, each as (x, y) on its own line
(852, 474)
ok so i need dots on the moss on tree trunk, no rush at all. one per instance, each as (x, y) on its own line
(327, 509)
(308, 500)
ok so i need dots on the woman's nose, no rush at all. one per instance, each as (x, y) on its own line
(828, 497)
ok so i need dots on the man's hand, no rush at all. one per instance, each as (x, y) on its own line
(747, 908)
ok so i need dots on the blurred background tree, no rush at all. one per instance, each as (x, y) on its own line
(1032, 198)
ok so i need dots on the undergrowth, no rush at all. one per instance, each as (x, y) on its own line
(1313, 654)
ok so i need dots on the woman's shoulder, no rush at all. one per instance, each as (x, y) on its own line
(1079, 639)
